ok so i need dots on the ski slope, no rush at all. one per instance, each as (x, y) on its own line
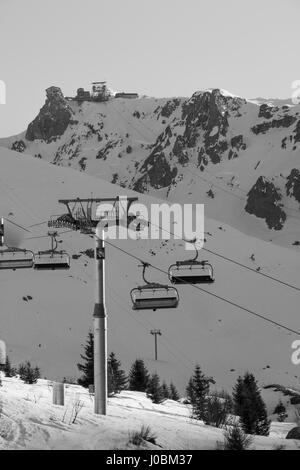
(30, 421)
(49, 329)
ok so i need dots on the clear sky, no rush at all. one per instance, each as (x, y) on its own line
(153, 47)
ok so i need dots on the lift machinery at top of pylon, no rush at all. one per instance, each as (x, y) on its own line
(84, 215)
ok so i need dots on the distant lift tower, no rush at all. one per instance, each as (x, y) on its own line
(155, 333)
(83, 215)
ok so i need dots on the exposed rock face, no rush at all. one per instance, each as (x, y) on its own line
(293, 184)
(294, 434)
(157, 173)
(169, 107)
(285, 121)
(264, 202)
(266, 111)
(53, 118)
(19, 146)
(237, 144)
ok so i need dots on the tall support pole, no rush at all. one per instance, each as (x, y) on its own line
(100, 331)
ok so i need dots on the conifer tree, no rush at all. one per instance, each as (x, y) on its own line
(138, 376)
(197, 393)
(29, 374)
(8, 370)
(117, 380)
(280, 410)
(165, 390)
(250, 407)
(87, 367)
(174, 395)
(154, 390)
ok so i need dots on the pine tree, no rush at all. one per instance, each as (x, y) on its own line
(117, 380)
(88, 366)
(236, 439)
(174, 395)
(138, 376)
(280, 410)
(165, 390)
(7, 369)
(154, 390)
(29, 374)
(197, 392)
(249, 406)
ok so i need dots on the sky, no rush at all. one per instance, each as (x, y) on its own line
(158, 48)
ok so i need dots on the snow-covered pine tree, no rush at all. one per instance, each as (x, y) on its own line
(174, 395)
(280, 411)
(138, 376)
(154, 390)
(165, 390)
(88, 365)
(8, 370)
(117, 380)
(197, 392)
(250, 407)
(29, 374)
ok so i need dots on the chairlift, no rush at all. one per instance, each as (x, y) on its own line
(191, 271)
(16, 258)
(52, 259)
(153, 296)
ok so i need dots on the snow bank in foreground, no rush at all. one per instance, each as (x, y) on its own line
(28, 420)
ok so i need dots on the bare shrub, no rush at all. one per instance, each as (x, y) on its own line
(144, 434)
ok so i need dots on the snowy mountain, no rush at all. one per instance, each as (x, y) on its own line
(238, 156)
(45, 316)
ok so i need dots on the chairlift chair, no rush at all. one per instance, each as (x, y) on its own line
(16, 258)
(191, 271)
(52, 259)
(153, 296)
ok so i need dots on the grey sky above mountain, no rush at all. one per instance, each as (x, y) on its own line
(158, 48)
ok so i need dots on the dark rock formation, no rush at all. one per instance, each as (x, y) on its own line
(266, 111)
(19, 146)
(237, 144)
(293, 184)
(156, 172)
(294, 433)
(169, 107)
(285, 121)
(53, 118)
(264, 202)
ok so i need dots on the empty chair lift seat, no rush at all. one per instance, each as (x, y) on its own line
(16, 259)
(52, 261)
(191, 272)
(152, 297)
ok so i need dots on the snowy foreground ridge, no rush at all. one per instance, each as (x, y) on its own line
(28, 420)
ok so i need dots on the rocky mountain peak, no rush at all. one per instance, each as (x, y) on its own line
(53, 118)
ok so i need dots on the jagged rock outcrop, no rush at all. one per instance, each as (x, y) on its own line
(263, 201)
(19, 146)
(53, 118)
(282, 122)
(157, 173)
(293, 184)
(294, 433)
(237, 144)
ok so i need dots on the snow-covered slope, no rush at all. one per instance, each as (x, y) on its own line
(226, 341)
(213, 148)
(29, 421)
